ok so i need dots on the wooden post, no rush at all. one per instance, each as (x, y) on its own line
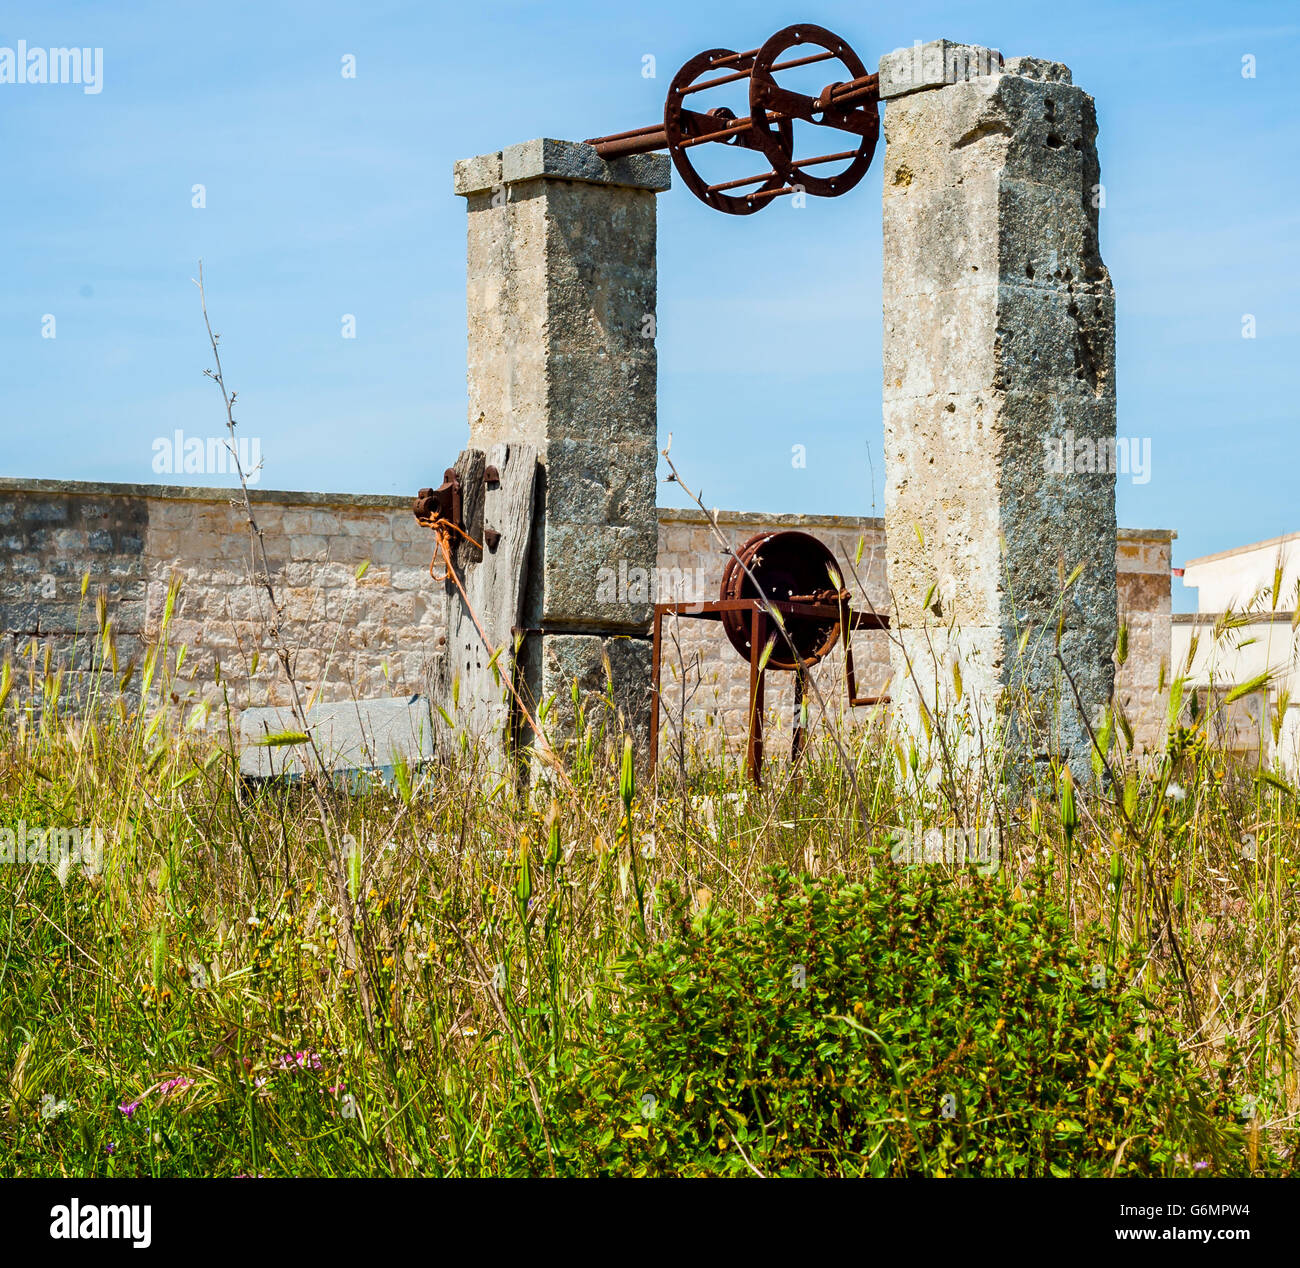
(468, 681)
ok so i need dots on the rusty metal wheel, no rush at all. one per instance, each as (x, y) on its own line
(685, 128)
(788, 565)
(772, 106)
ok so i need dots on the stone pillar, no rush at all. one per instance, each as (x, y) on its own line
(561, 309)
(999, 397)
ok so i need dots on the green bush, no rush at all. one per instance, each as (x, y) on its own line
(915, 1025)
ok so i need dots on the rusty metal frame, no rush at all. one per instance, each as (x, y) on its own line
(760, 619)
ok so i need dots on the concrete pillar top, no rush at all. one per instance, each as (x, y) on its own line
(559, 160)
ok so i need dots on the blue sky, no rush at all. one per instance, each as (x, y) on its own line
(327, 196)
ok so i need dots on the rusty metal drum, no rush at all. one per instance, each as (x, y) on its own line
(788, 566)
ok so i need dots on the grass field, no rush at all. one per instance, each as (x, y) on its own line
(448, 977)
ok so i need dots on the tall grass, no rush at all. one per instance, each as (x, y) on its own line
(237, 990)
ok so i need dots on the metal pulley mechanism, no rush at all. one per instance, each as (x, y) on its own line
(777, 586)
(849, 106)
(789, 567)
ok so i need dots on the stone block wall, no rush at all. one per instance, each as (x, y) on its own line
(371, 635)
(1143, 560)
(51, 536)
(374, 636)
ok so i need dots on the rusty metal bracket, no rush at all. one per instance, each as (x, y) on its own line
(442, 503)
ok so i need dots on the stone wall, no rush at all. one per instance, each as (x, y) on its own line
(52, 535)
(374, 635)
(370, 634)
(1143, 560)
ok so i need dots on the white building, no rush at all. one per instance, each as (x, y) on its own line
(1244, 627)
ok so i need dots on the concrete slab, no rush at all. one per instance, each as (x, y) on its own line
(355, 738)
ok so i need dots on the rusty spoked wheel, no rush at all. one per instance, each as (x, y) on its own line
(788, 565)
(685, 128)
(840, 106)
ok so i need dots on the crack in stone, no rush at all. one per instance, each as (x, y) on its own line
(1086, 366)
(985, 128)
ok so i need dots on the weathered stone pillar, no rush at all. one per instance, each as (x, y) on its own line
(561, 308)
(999, 336)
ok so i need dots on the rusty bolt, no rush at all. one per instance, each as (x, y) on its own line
(491, 537)
(492, 475)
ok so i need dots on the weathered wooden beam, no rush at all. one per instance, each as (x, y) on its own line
(468, 683)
